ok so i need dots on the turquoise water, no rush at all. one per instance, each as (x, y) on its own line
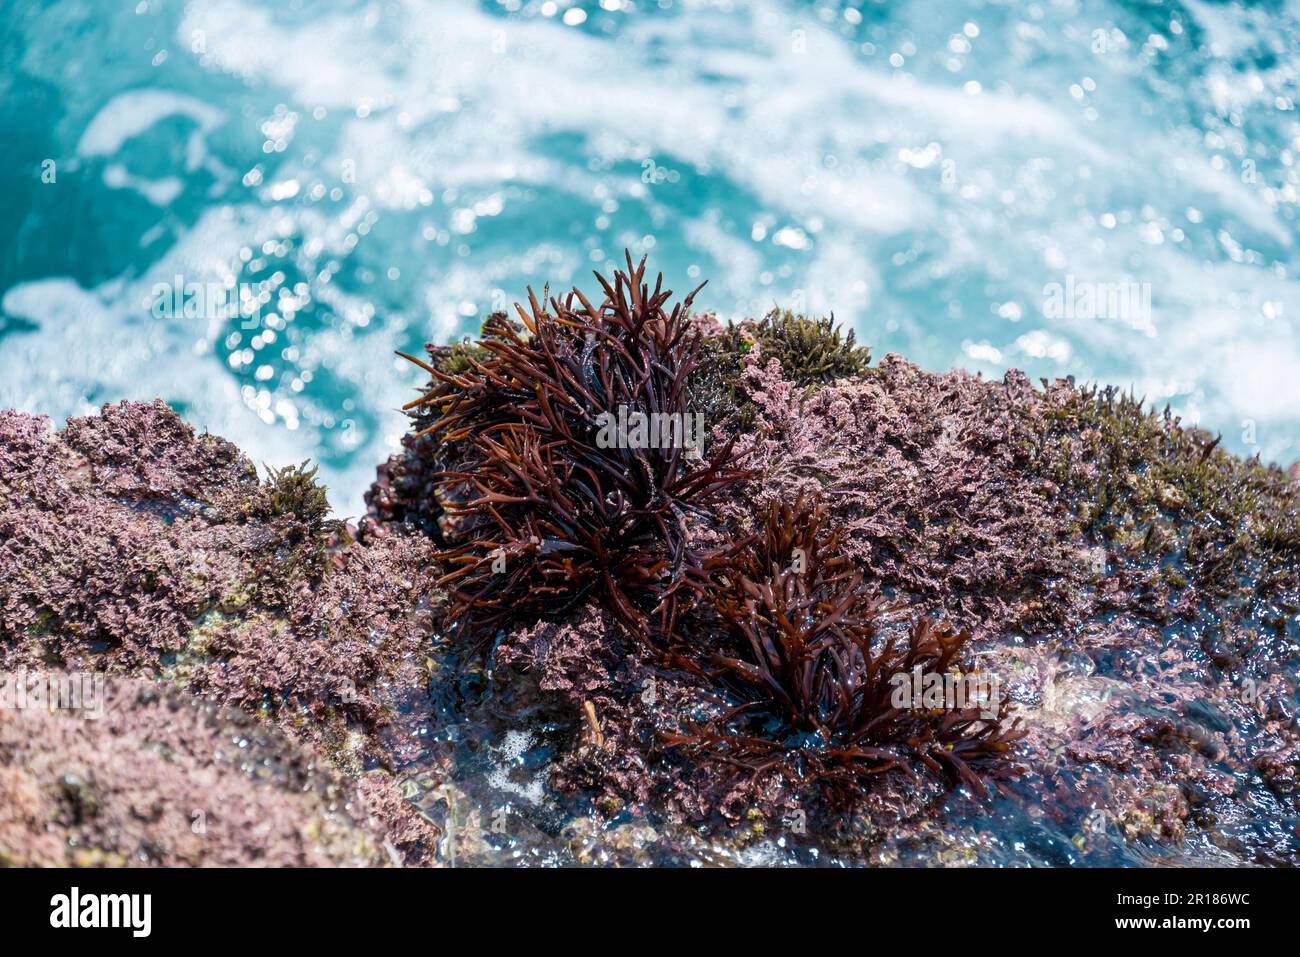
(1105, 190)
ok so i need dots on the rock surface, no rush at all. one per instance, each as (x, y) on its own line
(160, 778)
(1135, 589)
(130, 546)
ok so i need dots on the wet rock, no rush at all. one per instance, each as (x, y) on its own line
(160, 779)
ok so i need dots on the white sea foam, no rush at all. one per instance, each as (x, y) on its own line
(130, 114)
(926, 201)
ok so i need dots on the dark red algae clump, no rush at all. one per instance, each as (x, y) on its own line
(550, 505)
(817, 686)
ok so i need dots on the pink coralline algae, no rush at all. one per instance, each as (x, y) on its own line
(922, 472)
(161, 779)
(130, 545)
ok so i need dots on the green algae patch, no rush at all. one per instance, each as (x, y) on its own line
(812, 351)
(294, 490)
(1200, 531)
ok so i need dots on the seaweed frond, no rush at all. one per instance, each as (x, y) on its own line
(813, 687)
(548, 508)
(812, 351)
(294, 490)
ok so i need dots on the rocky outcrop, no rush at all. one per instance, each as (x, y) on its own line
(151, 776)
(292, 682)
(131, 546)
